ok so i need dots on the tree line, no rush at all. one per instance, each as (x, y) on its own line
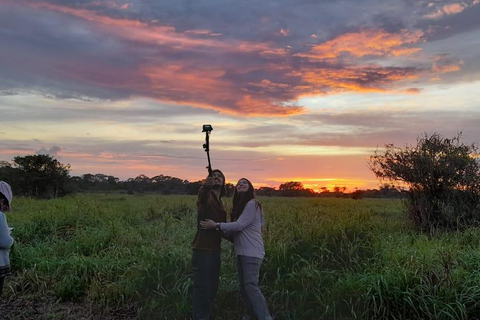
(43, 176)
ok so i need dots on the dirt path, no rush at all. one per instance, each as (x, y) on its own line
(48, 308)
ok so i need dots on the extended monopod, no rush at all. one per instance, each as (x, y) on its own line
(207, 129)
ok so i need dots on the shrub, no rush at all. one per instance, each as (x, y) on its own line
(441, 178)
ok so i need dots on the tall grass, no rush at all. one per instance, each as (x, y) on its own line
(325, 258)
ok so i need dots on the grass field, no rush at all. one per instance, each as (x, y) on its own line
(128, 257)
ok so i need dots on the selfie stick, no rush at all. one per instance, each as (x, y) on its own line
(207, 129)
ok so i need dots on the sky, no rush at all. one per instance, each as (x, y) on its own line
(295, 90)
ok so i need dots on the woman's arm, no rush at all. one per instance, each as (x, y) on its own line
(204, 191)
(246, 218)
(6, 240)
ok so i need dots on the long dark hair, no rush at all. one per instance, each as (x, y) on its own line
(222, 188)
(240, 200)
(3, 197)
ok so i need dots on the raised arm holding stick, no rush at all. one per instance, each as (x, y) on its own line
(206, 245)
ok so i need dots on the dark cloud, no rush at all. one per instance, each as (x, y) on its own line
(78, 111)
(53, 151)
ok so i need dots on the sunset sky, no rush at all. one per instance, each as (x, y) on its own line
(296, 90)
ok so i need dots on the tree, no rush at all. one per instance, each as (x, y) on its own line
(11, 175)
(192, 188)
(324, 190)
(440, 176)
(266, 191)
(357, 194)
(295, 189)
(94, 182)
(41, 176)
(339, 191)
(290, 189)
(291, 185)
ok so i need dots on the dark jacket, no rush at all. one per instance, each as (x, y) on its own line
(208, 207)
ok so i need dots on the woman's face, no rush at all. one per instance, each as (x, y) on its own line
(242, 185)
(4, 207)
(218, 178)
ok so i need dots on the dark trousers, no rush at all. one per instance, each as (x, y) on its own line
(248, 269)
(2, 279)
(206, 271)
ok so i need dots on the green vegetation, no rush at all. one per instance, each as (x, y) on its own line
(327, 258)
(442, 177)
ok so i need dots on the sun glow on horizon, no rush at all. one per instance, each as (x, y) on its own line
(324, 184)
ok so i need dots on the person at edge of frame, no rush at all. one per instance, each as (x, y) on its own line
(246, 229)
(6, 239)
(206, 246)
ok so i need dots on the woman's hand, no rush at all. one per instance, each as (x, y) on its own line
(208, 224)
(209, 181)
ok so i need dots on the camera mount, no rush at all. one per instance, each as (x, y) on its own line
(207, 129)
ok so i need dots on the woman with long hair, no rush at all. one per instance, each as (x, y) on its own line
(206, 246)
(6, 239)
(246, 228)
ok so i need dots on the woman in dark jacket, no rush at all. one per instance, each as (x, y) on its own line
(206, 246)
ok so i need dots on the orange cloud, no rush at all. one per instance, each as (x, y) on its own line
(453, 8)
(270, 85)
(447, 9)
(360, 79)
(364, 43)
(444, 63)
(258, 107)
(206, 89)
(178, 78)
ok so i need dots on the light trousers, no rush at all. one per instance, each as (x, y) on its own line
(256, 307)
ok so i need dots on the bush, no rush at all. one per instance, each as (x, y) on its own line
(441, 178)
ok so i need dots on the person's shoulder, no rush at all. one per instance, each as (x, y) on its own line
(251, 203)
